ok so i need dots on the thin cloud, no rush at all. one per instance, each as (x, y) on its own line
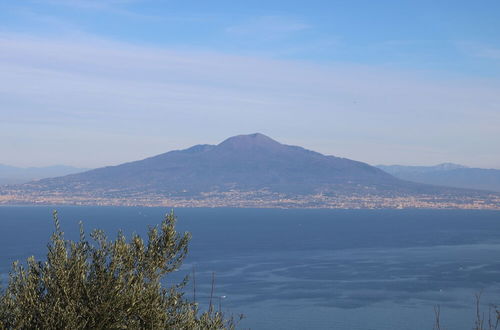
(488, 52)
(268, 27)
(479, 50)
(88, 4)
(160, 96)
(116, 7)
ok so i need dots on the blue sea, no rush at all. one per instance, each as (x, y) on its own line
(308, 269)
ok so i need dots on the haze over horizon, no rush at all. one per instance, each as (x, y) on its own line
(93, 83)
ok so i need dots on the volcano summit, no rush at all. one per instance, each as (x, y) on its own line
(243, 170)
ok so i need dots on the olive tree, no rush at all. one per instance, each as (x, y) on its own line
(105, 284)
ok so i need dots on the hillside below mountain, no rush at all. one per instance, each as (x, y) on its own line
(448, 174)
(14, 175)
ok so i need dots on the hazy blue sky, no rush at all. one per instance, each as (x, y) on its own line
(99, 82)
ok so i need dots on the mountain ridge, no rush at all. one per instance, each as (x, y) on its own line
(244, 162)
(244, 171)
(16, 175)
(448, 174)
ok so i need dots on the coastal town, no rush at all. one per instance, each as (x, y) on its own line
(253, 199)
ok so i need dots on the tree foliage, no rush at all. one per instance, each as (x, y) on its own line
(105, 284)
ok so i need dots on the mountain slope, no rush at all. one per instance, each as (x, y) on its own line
(244, 162)
(447, 174)
(13, 175)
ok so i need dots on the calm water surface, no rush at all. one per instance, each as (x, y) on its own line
(309, 269)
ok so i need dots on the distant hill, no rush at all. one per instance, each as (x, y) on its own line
(244, 163)
(448, 174)
(13, 175)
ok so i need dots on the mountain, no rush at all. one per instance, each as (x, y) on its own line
(244, 163)
(244, 171)
(13, 175)
(420, 169)
(448, 174)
